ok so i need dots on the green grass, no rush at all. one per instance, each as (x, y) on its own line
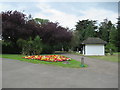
(113, 58)
(73, 63)
(73, 52)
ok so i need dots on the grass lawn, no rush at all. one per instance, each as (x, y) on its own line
(113, 58)
(73, 63)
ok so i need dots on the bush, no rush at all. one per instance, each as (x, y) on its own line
(110, 48)
(30, 47)
(37, 44)
(47, 49)
(9, 47)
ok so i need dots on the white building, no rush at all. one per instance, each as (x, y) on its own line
(94, 46)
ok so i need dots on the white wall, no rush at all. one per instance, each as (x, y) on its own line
(94, 49)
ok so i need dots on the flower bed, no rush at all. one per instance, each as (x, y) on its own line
(50, 58)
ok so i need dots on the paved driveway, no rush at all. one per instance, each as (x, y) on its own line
(99, 74)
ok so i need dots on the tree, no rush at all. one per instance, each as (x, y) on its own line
(118, 34)
(113, 35)
(75, 41)
(109, 33)
(105, 29)
(12, 24)
(17, 26)
(41, 21)
(54, 35)
(85, 29)
(90, 31)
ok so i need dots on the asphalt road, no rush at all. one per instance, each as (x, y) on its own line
(99, 74)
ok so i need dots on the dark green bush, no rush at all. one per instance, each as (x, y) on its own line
(9, 47)
(110, 48)
(30, 47)
(47, 49)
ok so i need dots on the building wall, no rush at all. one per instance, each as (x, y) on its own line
(94, 49)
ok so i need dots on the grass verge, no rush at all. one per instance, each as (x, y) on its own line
(73, 63)
(113, 58)
(108, 57)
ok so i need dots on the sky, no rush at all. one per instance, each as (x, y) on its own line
(66, 13)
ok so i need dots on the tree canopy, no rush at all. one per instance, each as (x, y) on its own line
(16, 25)
(106, 31)
(18, 30)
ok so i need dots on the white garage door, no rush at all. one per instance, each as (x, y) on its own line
(95, 49)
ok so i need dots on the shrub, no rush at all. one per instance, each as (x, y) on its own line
(30, 47)
(37, 45)
(110, 48)
(47, 49)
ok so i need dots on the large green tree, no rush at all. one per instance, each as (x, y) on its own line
(118, 34)
(84, 28)
(109, 33)
(105, 29)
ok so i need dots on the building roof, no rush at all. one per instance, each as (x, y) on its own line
(93, 40)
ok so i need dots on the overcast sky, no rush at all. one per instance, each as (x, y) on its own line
(66, 13)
